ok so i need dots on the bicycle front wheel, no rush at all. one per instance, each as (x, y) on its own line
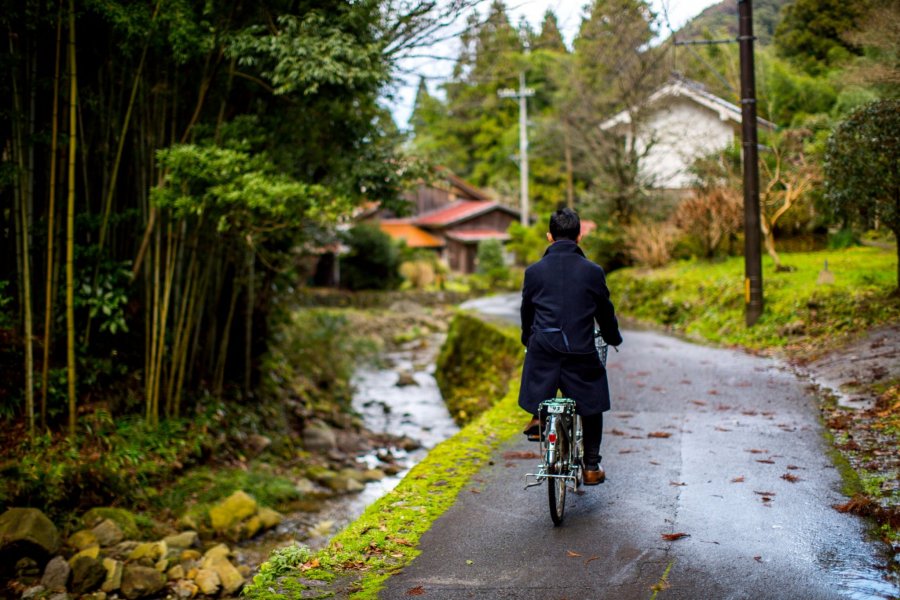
(556, 487)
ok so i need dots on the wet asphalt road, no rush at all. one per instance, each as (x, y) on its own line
(738, 426)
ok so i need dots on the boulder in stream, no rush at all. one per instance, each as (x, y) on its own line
(139, 581)
(56, 574)
(26, 532)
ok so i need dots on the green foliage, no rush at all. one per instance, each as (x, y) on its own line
(107, 299)
(475, 366)
(862, 174)
(813, 32)
(373, 261)
(528, 243)
(238, 192)
(312, 357)
(789, 94)
(118, 461)
(707, 299)
(281, 562)
(340, 51)
(490, 262)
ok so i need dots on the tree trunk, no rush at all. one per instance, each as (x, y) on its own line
(51, 237)
(70, 224)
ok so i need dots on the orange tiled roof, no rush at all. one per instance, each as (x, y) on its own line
(409, 233)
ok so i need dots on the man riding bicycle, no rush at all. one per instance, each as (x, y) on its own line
(563, 294)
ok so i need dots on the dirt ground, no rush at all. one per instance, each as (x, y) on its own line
(862, 381)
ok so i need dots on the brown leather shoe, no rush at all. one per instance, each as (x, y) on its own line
(594, 477)
(533, 430)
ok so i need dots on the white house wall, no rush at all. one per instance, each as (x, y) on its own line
(681, 131)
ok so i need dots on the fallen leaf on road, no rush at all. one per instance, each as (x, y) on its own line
(627, 451)
(738, 479)
(659, 434)
(749, 413)
(791, 478)
(742, 384)
(474, 491)
(416, 591)
(793, 467)
(766, 499)
(723, 407)
(713, 392)
(677, 483)
(758, 559)
(656, 388)
(617, 432)
(757, 451)
(765, 461)
(698, 402)
(653, 462)
(571, 554)
(671, 537)
(685, 381)
(470, 562)
(524, 455)
(764, 493)
(718, 428)
(594, 557)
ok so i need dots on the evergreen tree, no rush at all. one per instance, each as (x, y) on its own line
(813, 33)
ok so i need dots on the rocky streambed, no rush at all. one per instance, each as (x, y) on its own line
(402, 416)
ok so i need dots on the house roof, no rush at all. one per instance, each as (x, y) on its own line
(681, 88)
(462, 184)
(468, 236)
(462, 210)
(402, 229)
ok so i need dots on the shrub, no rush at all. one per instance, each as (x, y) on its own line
(650, 243)
(710, 217)
(419, 274)
(490, 261)
(373, 261)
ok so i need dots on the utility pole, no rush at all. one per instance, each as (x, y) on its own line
(522, 94)
(753, 290)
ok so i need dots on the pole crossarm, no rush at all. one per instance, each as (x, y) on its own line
(707, 42)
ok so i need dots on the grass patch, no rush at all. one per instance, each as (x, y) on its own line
(706, 300)
(384, 539)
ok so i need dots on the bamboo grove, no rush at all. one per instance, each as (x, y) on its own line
(162, 165)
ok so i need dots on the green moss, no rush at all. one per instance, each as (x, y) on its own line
(126, 520)
(475, 365)
(384, 539)
(706, 300)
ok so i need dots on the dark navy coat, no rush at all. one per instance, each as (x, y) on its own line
(563, 295)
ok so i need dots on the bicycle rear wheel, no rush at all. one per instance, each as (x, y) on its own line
(556, 487)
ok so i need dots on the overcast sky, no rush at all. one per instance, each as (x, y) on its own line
(568, 13)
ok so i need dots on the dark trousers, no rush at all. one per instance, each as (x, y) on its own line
(592, 427)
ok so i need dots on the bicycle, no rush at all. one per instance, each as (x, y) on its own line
(562, 446)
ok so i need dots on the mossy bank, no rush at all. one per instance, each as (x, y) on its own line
(384, 539)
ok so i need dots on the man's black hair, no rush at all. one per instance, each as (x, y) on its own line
(565, 225)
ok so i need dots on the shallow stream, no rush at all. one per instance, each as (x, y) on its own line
(416, 411)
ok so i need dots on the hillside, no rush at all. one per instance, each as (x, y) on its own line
(722, 20)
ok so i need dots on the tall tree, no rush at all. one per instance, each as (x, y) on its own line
(813, 32)
(612, 69)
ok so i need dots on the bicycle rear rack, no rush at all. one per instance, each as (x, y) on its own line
(541, 475)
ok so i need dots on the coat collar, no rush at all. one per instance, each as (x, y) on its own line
(564, 247)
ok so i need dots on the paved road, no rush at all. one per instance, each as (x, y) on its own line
(739, 425)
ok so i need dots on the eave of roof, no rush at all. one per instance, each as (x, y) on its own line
(681, 89)
(409, 233)
(476, 235)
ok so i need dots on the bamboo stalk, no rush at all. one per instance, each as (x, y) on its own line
(114, 171)
(248, 318)
(171, 249)
(70, 224)
(51, 213)
(219, 378)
